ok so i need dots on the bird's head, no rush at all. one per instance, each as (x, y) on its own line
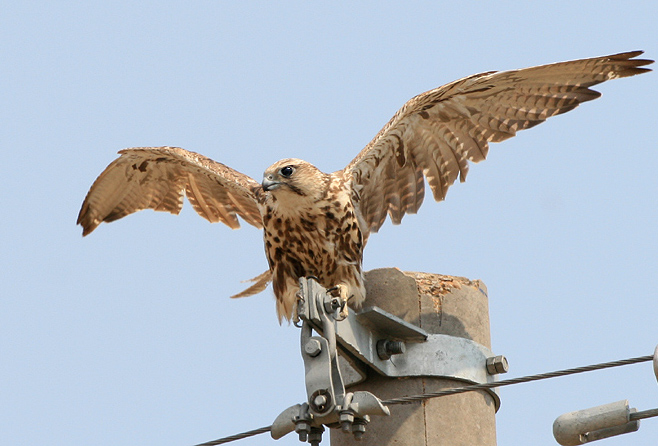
(295, 179)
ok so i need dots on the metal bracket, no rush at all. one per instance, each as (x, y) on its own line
(424, 354)
(414, 352)
(328, 403)
(386, 343)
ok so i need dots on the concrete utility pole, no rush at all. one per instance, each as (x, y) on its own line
(439, 304)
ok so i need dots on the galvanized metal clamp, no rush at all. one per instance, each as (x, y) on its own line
(328, 403)
(396, 348)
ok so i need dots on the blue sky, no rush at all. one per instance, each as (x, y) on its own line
(128, 336)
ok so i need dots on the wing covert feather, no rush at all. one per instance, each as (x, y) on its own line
(436, 133)
(158, 177)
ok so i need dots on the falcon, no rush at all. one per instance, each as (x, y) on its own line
(317, 224)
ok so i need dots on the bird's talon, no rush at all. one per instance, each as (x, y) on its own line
(340, 291)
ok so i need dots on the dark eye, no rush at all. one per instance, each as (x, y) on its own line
(286, 171)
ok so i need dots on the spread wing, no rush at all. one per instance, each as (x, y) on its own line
(436, 133)
(158, 177)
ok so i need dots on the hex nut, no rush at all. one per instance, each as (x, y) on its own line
(313, 347)
(497, 365)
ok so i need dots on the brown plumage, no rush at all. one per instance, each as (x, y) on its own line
(317, 224)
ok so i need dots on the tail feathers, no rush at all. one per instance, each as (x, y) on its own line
(260, 283)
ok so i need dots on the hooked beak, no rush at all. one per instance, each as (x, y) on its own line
(269, 184)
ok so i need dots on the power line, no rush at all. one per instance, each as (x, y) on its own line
(471, 388)
(523, 379)
(642, 415)
(247, 434)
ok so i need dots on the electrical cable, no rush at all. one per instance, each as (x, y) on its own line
(474, 387)
(523, 379)
(247, 434)
(642, 415)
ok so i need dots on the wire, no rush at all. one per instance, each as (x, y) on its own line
(247, 434)
(644, 414)
(456, 390)
(523, 379)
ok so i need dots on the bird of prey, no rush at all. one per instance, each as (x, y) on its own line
(317, 224)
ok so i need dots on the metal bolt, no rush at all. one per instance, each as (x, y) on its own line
(497, 365)
(302, 428)
(313, 347)
(359, 427)
(302, 423)
(386, 348)
(315, 437)
(302, 431)
(334, 304)
(320, 401)
(346, 419)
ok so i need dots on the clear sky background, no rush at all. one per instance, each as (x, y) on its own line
(127, 337)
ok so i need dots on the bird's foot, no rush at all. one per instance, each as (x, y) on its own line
(341, 291)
